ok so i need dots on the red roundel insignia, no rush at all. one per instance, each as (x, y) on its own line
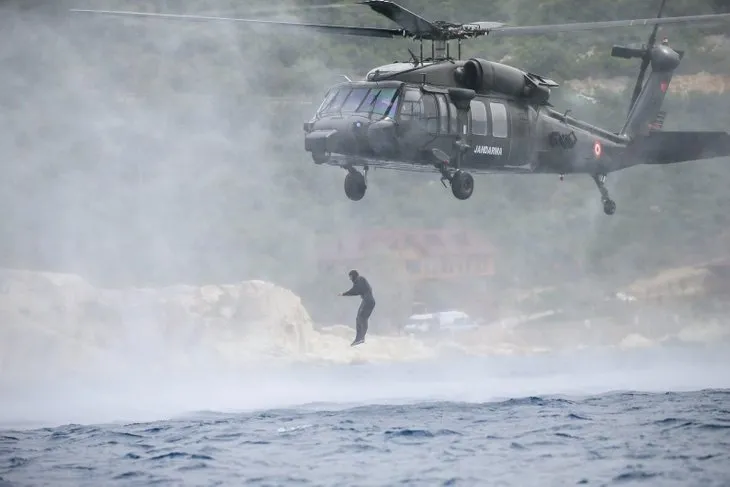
(597, 149)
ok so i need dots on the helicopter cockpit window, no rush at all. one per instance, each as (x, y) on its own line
(357, 96)
(366, 106)
(378, 101)
(383, 101)
(478, 118)
(327, 100)
(335, 101)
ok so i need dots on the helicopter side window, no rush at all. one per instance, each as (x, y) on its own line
(499, 120)
(443, 114)
(430, 113)
(478, 118)
(357, 95)
(412, 105)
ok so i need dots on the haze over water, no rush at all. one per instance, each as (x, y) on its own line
(541, 420)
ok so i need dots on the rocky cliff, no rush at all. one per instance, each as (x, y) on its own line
(62, 321)
(60, 324)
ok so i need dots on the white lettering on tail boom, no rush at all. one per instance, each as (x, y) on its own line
(488, 150)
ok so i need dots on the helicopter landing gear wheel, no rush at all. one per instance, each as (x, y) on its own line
(355, 185)
(462, 185)
(609, 206)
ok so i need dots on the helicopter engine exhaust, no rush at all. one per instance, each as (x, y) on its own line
(485, 76)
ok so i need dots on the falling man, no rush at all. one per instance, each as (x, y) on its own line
(361, 287)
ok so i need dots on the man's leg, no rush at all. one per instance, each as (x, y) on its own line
(366, 310)
(359, 330)
(359, 325)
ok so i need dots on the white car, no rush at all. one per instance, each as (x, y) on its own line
(442, 321)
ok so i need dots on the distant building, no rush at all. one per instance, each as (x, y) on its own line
(426, 254)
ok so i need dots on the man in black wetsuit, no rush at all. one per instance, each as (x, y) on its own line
(361, 287)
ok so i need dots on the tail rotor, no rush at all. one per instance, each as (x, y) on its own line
(646, 59)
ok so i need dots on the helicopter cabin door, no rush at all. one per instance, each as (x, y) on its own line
(489, 131)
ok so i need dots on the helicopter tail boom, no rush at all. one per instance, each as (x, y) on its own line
(680, 146)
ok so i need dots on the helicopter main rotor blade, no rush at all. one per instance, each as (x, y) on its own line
(578, 26)
(280, 10)
(416, 26)
(413, 23)
(285, 10)
(334, 29)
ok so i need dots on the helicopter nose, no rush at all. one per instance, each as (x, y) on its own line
(382, 137)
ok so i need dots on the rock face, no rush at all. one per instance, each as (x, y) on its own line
(60, 324)
(60, 321)
(63, 319)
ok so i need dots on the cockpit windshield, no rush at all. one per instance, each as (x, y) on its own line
(377, 102)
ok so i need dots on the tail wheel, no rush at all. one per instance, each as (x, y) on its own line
(609, 207)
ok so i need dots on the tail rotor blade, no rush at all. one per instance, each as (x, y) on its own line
(645, 59)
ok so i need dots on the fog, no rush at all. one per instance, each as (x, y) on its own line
(138, 394)
(132, 158)
(151, 153)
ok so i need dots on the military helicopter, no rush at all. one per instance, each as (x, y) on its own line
(454, 116)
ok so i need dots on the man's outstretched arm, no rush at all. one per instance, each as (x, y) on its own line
(353, 291)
